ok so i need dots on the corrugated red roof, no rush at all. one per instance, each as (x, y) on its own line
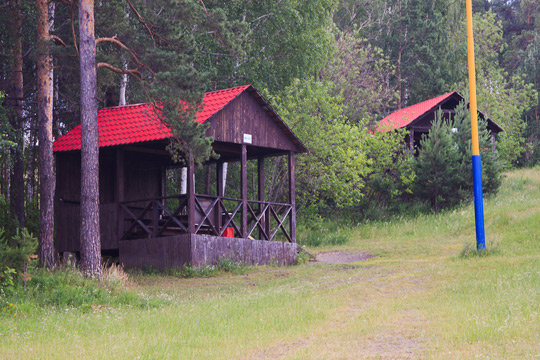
(405, 116)
(138, 123)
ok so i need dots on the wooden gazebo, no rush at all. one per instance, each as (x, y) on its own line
(417, 118)
(144, 226)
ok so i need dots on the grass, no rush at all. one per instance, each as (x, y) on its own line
(426, 295)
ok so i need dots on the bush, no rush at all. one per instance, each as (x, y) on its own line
(15, 251)
(316, 232)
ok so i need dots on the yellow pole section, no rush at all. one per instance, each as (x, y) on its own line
(472, 80)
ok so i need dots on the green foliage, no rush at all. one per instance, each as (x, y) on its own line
(360, 73)
(491, 166)
(316, 231)
(332, 172)
(284, 40)
(15, 250)
(391, 175)
(68, 288)
(437, 167)
(444, 165)
(502, 97)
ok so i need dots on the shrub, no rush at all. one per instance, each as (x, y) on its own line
(14, 251)
(316, 232)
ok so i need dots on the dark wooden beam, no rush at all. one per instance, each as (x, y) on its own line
(120, 190)
(191, 195)
(219, 178)
(207, 179)
(243, 182)
(219, 193)
(261, 191)
(292, 197)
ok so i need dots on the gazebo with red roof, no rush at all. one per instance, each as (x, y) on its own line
(144, 226)
(417, 118)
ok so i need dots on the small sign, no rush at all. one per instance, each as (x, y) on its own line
(247, 138)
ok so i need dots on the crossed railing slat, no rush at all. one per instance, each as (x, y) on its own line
(156, 218)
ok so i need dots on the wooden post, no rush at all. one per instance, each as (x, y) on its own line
(411, 141)
(260, 176)
(155, 218)
(191, 194)
(120, 190)
(207, 179)
(219, 193)
(163, 183)
(292, 197)
(219, 178)
(243, 167)
(493, 143)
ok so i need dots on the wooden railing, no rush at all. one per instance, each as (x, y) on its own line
(213, 214)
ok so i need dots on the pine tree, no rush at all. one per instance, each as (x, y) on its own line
(438, 176)
(491, 168)
(90, 231)
(46, 161)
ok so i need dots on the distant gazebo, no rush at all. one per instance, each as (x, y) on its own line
(417, 118)
(144, 226)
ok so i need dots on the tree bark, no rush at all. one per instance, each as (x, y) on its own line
(46, 161)
(90, 236)
(16, 102)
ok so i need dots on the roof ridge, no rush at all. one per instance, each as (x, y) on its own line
(122, 106)
(228, 89)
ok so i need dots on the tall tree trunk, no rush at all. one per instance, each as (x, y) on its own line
(90, 236)
(46, 161)
(16, 101)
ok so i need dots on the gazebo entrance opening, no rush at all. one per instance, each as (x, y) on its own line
(218, 203)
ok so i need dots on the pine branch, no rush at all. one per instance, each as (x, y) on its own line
(133, 72)
(132, 53)
(73, 28)
(148, 28)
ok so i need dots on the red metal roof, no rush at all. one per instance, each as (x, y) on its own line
(138, 123)
(405, 116)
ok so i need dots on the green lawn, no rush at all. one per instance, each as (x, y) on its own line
(418, 298)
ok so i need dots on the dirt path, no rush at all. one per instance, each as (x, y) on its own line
(343, 257)
(368, 325)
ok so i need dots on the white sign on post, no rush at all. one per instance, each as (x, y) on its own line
(247, 138)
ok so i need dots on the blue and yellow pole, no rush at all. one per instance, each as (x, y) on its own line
(476, 163)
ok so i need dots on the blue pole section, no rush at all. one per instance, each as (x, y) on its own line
(478, 203)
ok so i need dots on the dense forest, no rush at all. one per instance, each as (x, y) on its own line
(331, 69)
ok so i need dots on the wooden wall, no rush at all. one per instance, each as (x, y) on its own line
(203, 250)
(142, 179)
(245, 115)
(143, 174)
